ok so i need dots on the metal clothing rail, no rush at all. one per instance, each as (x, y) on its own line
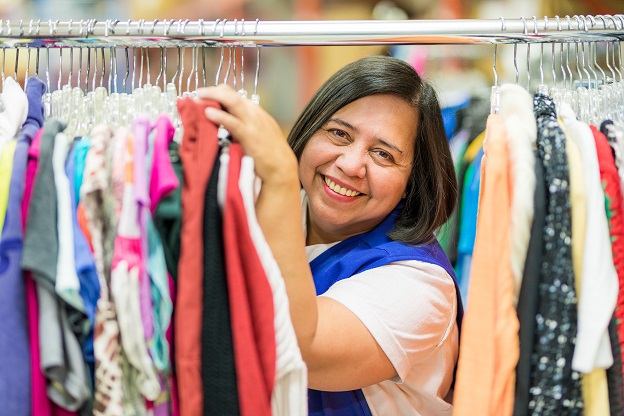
(165, 33)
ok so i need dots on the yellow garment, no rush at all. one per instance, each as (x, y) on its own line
(490, 347)
(473, 148)
(594, 384)
(6, 169)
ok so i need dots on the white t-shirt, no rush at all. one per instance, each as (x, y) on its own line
(410, 308)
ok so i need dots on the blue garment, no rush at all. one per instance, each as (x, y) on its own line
(14, 344)
(82, 147)
(350, 257)
(85, 265)
(468, 223)
(450, 119)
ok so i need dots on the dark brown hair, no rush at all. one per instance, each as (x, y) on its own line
(431, 192)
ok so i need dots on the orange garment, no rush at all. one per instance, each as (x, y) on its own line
(84, 224)
(197, 152)
(490, 347)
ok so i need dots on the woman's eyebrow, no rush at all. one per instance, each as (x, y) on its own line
(343, 123)
(355, 130)
(390, 145)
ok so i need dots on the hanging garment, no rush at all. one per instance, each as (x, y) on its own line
(290, 392)
(159, 184)
(489, 346)
(161, 180)
(40, 403)
(168, 216)
(610, 130)
(529, 294)
(593, 384)
(98, 209)
(613, 197)
(15, 110)
(614, 373)
(140, 131)
(82, 148)
(251, 302)
(516, 109)
(6, 167)
(468, 222)
(61, 355)
(67, 285)
(85, 268)
(218, 368)
(127, 270)
(198, 152)
(15, 360)
(354, 272)
(599, 279)
(553, 377)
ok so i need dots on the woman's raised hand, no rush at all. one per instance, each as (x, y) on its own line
(256, 130)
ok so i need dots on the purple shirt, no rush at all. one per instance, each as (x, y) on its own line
(140, 130)
(15, 384)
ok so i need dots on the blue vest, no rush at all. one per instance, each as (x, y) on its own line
(350, 257)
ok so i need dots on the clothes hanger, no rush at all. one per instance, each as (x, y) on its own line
(255, 98)
(495, 94)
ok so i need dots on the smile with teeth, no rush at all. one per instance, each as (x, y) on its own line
(339, 189)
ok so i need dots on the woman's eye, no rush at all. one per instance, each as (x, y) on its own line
(384, 156)
(339, 133)
(339, 136)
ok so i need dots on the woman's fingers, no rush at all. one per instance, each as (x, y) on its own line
(231, 101)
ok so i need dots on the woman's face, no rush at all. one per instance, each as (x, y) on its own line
(356, 167)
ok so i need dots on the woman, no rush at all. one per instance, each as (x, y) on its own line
(373, 299)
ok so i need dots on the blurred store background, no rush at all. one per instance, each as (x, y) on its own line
(289, 75)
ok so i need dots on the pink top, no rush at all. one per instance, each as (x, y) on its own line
(163, 178)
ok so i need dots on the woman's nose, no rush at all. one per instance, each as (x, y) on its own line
(352, 162)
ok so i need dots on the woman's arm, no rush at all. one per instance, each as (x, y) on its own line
(341, 354)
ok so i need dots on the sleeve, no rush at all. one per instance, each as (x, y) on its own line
(409, 307)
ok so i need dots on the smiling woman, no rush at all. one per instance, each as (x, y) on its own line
(373, 299)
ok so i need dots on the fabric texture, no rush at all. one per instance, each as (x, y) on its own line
(552, 373)
(98, 205)
(168, 215)
(61, 355)
(218, 369)
(40, 404)
(593, 384)
(516, 109)
(197, 152)
(489, 347)
(615, 202)
(15, 357)
(529, 294)
(251, 302)
(599, 279)
(290, 392)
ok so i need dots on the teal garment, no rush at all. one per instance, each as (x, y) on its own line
(159, 282)
(468, 224)
(82, 147)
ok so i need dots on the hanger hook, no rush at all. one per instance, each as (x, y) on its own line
(162, 53)
(123, 85)
(503, 27)
(255, 97)
(103, 68)
(181, 73)
(58, 85)
(223, 28)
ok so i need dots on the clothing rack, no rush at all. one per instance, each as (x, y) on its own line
(246, 33)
